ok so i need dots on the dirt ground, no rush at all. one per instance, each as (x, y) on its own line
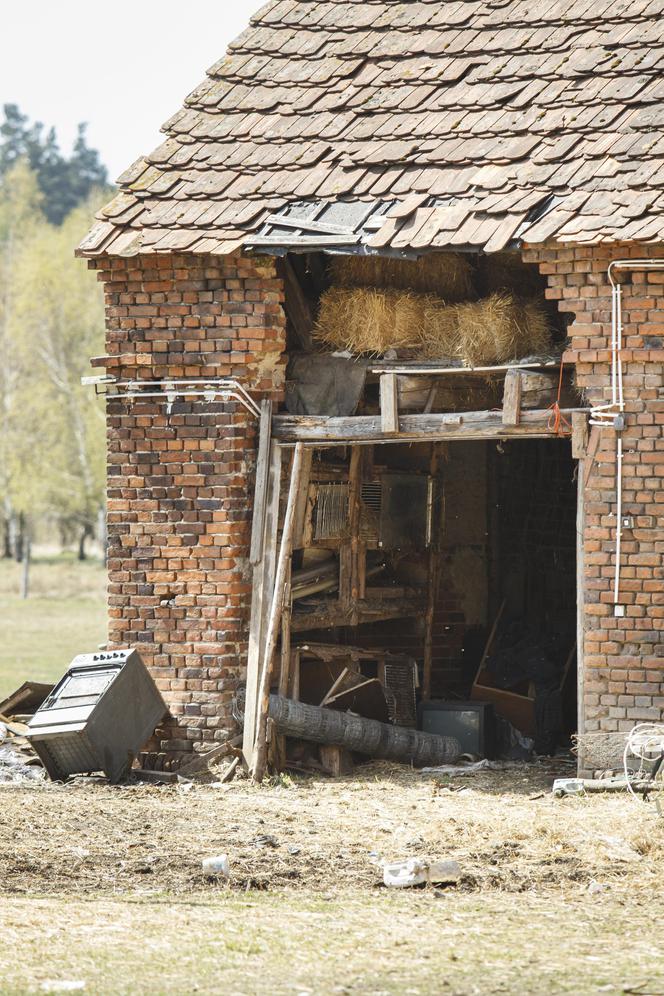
(102, 888)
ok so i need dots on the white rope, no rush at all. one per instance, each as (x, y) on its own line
(645, 742)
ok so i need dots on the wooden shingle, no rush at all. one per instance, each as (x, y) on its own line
(501, 105)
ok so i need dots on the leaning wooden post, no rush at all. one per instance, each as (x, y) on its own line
(274, 622)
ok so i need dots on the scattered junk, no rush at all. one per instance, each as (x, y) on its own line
(416, 871)
(217, 867)
(642, 774)
(18, 761)
(97, 717)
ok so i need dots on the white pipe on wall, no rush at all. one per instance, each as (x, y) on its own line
(612, 415)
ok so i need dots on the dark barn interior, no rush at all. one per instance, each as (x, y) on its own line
(429, 582)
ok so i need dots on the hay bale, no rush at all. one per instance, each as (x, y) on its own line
(446, 275)
(496, 329)
(366, 320)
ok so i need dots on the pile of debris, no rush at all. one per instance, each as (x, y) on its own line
(18, 760)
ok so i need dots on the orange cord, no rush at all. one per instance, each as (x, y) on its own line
(557, 421)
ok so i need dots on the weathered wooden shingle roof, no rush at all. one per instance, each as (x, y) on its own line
(472, 123)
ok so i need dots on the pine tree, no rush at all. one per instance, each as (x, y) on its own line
(65, 183)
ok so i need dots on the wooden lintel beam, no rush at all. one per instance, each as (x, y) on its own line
(333, 431)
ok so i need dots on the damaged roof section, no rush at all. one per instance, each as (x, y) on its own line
(506, 119)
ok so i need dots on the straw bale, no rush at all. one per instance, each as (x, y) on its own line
(447, 275)
(365, 320)
(495, 329)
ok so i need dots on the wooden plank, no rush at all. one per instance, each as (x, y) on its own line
(590, 455)
(302, 499)
(336, 761)
(417, 368)
(389, 402)
(489, 642)
(579, 435)
(359, 429)
(296, 305)
(262, 587)
(512, 398)
(371, 610)
(329, 695)
(274, 620)
(354, 514)
(260, 489)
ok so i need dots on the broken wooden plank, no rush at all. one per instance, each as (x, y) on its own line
(202, 760)
(512, 398)
(274, 620)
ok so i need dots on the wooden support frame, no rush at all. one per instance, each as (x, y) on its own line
(262, 589)
(320, 431)
(274, 619)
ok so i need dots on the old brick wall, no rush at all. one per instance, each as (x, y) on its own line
(623, 657)
(180, 484)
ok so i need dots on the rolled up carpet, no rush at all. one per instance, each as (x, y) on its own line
(360, 735)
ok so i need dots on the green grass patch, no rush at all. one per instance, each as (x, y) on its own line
(64, 615)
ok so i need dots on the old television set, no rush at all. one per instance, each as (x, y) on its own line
(471, 723)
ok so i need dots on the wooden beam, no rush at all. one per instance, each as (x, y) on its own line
(389, 403)
(302, 500)
(260, 488)
(332, 431)
(512, 398)
(370, 610)
(274, 621)
(261, 594)
(296, 305)
(579, 435)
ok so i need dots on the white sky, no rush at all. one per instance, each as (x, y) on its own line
(124, 67)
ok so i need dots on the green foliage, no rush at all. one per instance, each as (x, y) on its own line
(64, 182)
(51, 322)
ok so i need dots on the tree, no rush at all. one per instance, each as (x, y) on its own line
(57, 323)
(20, 214)
(65, 183)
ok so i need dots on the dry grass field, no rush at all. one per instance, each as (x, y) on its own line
(102, 888)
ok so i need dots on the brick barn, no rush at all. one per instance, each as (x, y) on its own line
(383, 374)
